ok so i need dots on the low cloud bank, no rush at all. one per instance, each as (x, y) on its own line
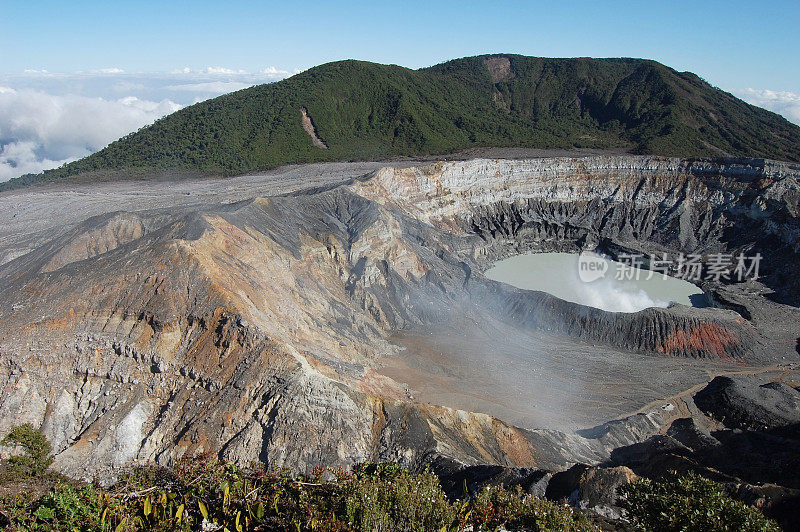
(39, 131)
(782, 102)
(49, 119)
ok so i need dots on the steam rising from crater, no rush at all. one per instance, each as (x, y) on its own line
(614, 296)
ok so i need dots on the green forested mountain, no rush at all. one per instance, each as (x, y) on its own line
(365, 111)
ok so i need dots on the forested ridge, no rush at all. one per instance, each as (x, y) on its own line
(364, 110)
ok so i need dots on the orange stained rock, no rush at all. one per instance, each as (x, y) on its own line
(707, 337)
(513, 444)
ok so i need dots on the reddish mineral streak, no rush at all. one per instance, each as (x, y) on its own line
(709, 338)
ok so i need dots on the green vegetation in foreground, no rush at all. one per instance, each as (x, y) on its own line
(688, 503)
(206, 494)
(34, 458)
(366, 110)
(203, 494)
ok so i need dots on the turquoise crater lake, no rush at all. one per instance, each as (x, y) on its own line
(619, 288)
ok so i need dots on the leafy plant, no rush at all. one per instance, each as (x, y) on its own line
(207, 494)
(35, 458)
(66, 507)
(688, 503)
(496, 507)
(389, 497)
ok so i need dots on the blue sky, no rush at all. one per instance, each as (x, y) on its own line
(732, 44)
(76, 75)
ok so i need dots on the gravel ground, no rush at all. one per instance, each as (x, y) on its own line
(31, 216)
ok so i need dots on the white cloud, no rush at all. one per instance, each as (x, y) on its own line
(50, 118)
(19, 158)
(782, 102)
(272, 71)
(108, 71)
(223, 70)
(40, 131)
(212, 87)
(613, 295)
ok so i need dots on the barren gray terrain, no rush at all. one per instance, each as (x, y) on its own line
(533, 380)
(343, 305)
(32, 216)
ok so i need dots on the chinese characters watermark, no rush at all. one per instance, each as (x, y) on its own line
(689, 267)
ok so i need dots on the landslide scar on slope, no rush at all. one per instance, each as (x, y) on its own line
(499, 68)
(308, 125)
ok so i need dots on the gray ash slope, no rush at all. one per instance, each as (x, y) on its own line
(337, 315)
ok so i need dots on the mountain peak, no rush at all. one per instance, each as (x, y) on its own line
(364, 110)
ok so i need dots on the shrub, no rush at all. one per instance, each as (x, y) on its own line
(389, 497)
(208, 494)
(66, 506)
(36, 458)
(496, 507)
(688, 503)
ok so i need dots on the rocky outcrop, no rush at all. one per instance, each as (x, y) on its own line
(677, 331)
(748, 440)
(641, 205)
(747, 405)
(645, 204)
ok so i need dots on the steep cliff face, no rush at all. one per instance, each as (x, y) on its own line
(244, 328)
(642, 203)
(620, 205)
